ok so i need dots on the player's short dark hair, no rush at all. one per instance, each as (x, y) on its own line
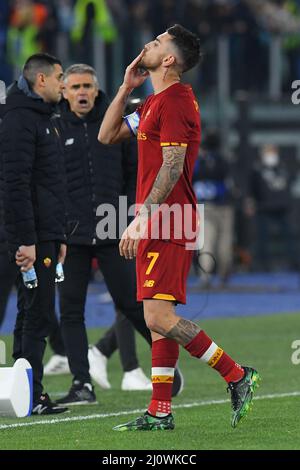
(188, 45)
(38, 63)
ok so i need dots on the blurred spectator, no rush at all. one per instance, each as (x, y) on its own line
(292, 44)
(27, 18)
(236, 20)
(165, 13)
(248, 49)
(5, 74)
(71, 27)
(48, 30)
(65, 15)
(214, 187)
(273, 16)
(91, 17)
(271, 198)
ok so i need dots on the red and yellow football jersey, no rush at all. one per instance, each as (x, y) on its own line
(169, 118)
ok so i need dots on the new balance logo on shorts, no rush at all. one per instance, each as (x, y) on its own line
(149, 283)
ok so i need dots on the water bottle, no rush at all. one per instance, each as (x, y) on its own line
(30, 279)
(59, 276)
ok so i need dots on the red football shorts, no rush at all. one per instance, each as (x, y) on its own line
(162, 269)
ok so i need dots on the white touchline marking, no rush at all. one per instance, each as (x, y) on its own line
(129, 412)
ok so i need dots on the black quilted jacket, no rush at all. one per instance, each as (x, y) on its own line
(31, 171)
(96, 174)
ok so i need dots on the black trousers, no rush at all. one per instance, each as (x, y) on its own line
(119, 275)
(35, 313)
(8, 278)
(120, 336)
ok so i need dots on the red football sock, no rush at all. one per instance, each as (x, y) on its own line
(205, 349)
(165, 353)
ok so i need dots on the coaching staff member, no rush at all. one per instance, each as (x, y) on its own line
(34, 206)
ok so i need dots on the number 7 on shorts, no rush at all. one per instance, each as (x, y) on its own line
(154, 255)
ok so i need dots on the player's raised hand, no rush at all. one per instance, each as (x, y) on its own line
(134, 76)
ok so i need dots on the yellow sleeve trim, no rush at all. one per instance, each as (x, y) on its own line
(163, 297)
(172, 144)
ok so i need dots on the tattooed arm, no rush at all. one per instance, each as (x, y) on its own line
(167, 177)
(113, 128)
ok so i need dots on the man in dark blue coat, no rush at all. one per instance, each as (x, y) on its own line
(34, 206)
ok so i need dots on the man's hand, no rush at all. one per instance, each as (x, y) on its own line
(133, 77)
(131, 237)
(62, 253)
(25, 257)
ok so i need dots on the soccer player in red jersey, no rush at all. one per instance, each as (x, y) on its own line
(167, 127)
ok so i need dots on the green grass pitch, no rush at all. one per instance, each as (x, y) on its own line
(262, 341)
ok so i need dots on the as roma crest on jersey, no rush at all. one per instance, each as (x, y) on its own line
(47, 262)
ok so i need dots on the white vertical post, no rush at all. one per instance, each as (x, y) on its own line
(99, 60)
(2, 92)
(223, 68)
(2, 352)
(223, 86)
(118, 65)
(275, 67)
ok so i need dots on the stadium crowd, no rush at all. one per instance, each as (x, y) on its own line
(29, 26)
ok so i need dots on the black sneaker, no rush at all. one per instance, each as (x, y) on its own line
(44, 406)
(178, 382)
(242, 394)
(79, 394)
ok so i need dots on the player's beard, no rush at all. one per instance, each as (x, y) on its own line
(144, 65)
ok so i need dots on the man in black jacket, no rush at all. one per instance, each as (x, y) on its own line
(34, 207)
(270, 199)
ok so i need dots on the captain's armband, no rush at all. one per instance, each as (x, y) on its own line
(133, 121)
